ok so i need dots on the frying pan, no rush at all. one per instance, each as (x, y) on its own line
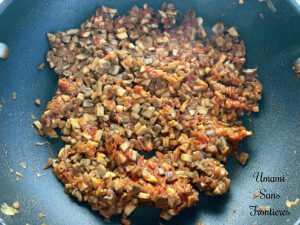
(273, 43)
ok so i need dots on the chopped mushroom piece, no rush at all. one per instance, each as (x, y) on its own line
(148, 176)
(42, 215)
(42, 143)
(148, 112)
(125, 145)
(296, 66)
(19, 174)
(255, 195)
(218, 28)
(41, 66)
(37, 101)
(292, 203)
(122, 35)
(233, 32)
(33, 117)
(14, 95)
(40, 174)
(23, 165)
(37, 124)
(242, 157)
(4, 51)
(16, 205)
(186, 157)
(7, 210)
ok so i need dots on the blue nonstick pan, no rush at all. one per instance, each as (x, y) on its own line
(271, 32)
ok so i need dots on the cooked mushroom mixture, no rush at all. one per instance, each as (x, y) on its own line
(140, 83)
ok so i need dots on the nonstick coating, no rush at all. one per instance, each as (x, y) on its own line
(273, 43)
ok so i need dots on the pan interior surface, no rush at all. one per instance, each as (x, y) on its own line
(272, 44)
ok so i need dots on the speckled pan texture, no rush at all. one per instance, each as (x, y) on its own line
(272, 45)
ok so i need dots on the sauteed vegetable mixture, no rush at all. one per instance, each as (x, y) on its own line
(139, 83)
